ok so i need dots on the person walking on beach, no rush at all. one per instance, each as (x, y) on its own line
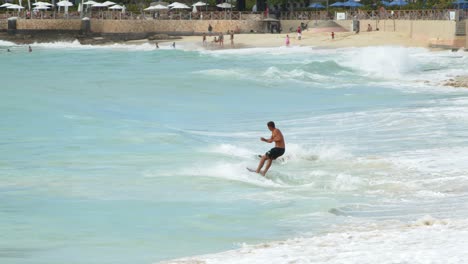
(274, 153)
(287, 40)
(173, 45)
(204, 39)
(299, 33)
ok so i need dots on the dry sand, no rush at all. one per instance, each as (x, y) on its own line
(322, 39)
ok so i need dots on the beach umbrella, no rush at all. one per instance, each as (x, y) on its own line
(41, 7)
(159, 7)
(385, 3)
(200, 4)
(14, 7)
(116, 7)
(225, 5)
(316, 5)
(337, 4)
(398, 3)
(6, 5)
(90, 3)
(42, 4)
(173, 4)
(461, 3)
(180, 6)
(99, 5)
(351, 3)
(149, 8)
(64, 3)
(108, 3)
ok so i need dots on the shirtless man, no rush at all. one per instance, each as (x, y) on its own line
(274, 153)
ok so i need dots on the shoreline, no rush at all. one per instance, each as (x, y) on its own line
(321, 40)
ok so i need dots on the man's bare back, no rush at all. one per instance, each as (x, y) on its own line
(277, 151)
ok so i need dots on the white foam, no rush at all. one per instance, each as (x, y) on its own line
(385, 62)
(275, 51)
(6, 43)
(231, 150)
(116, 46)
(427, 240)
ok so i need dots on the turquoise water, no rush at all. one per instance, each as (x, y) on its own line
(126, 154)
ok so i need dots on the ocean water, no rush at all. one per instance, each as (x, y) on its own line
(128, 154)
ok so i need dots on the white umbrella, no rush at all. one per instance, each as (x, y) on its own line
(42, 4)
(175, 3)
(41, 7)
(115, 7)
(99, 5)
(108, 3)
(6, 5)
(225, 5)
(159, 7)
(64, 3)
(90, 3)
(180, 6)
(200, 4)
(15, 7)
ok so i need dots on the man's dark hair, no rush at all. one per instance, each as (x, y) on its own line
(271, 124)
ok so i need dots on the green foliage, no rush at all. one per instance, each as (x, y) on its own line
(249, 4)
(277, 2)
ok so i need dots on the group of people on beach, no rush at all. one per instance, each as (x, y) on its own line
(219, 39)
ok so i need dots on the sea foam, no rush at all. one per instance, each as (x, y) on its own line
(424, 241)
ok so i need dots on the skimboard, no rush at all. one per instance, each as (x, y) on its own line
(251, 170)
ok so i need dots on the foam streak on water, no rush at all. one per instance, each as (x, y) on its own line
(131, 154)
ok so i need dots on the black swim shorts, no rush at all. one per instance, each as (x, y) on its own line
(275, 153)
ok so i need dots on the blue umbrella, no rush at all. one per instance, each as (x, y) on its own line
(337, 4)
(316, 5)
(460, 2)
(351, 3)
(385, 3)
(398, 3)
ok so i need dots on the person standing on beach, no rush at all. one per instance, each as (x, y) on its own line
(274, 153)
(232, 38)
(173, 45)
(204, 39)
(221, 40)
(210, 28)
(287, 40)
(299, 33)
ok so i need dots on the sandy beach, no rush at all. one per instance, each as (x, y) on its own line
(322, 39)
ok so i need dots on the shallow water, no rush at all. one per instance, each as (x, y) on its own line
(127, 154)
